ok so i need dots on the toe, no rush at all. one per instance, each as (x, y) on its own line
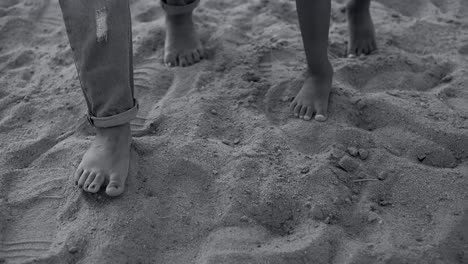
(97, 183)
(373, 45)
(321, 112)
(365, 50)
(357, 52)
(83, 178)
(201, 53)
(297, 109)
(77, 175)
(89, 180)
(189, 59)
(302, 111)
(309, 113)
(115, 186)
(196, 56)
(182, 61)
(170, 60)
(292, 105)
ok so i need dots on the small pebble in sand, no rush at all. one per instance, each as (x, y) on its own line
(384, 203)
(226, 142)
(244, 219)
(251, 77)
(73, 249)
(447, 79)
(372, 217)
(236, 141)
(421, 157)
(363, 154)
(348, 164)
(352, 151)
(213, 111)
(305, 170)
(383, 175)
(215, 172)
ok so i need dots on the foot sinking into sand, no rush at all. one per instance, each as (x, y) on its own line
(314, 21)
(313, 96)
(106, 162)
(361, 29)
(182, 46)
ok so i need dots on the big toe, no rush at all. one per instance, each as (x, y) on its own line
(321, 114)
(170, 60)
(115, 186)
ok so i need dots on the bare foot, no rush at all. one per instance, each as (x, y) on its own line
(313, 96)
(182, 46)
(361, 31)
(106, 161)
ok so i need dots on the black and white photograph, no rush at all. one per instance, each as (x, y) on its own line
(233, 131)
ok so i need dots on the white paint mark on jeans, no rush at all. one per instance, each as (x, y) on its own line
(101, 25)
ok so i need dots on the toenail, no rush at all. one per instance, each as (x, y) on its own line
(320, 118)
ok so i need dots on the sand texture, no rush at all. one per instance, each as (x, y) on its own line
(221, 172)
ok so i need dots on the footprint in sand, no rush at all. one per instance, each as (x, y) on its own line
(256, 245)
(151, 83)
(389, 73)
(32, 198)
(8, 3)
(278, 66)
(48, 16)
(149, 14)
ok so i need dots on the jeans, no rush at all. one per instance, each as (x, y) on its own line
(100, 36)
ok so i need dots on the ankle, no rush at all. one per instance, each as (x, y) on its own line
(321, 70)
(180, 19)
(356, 7)
(115, 131)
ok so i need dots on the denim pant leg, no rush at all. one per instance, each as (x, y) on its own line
(188, 7)
(99, 32)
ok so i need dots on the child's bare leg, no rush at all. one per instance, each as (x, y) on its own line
(314, 20)
(182, 46)
(100, 37)
(361, 28)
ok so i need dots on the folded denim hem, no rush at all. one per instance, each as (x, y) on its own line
(115, 120)
(179, 9)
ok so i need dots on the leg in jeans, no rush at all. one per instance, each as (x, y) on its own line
(182, 46)
(99, 32)
(314, 21)
(361, 28)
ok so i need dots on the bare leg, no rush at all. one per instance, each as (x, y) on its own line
(361, 28)
(314, 20)
(100, 36)
(182, 46)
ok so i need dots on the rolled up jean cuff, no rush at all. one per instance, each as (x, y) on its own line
(114, 120)
(179, 9)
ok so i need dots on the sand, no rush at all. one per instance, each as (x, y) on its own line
(221, 172)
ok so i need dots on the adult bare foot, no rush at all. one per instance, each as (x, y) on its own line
(361, 29)
(182, 46)
(313, 96)
(106, 161)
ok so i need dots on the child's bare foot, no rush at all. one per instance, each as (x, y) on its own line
(106, 161)
(313, 96)
(361, 29)
(182, 46)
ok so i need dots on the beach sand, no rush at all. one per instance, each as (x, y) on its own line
(220, 170)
